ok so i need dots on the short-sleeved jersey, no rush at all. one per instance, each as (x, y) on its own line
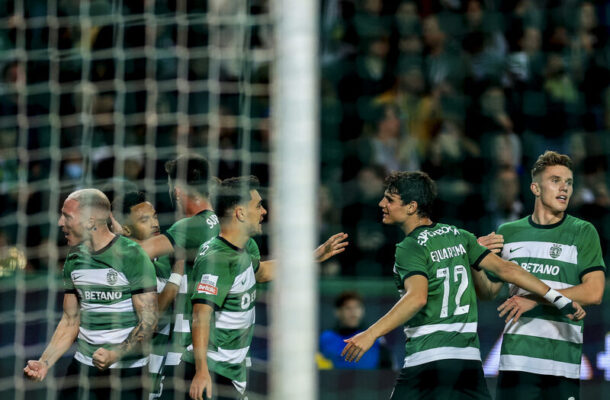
(543, 341)
(187, 234)
(446, 327)
(224, 277)
(105, 282)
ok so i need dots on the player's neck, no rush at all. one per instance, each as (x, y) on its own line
(544, 216)
(100, 238)
(414, 222)
(234, 235)
(196, 205)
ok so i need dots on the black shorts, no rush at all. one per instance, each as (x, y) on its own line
(443, 379)
(177, 384)
(83, 382)
(524, 385)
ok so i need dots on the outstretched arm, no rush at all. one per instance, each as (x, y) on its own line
(65, 334)
(145, 305)
(334, 245)
(486, 289)
(511, 272)
(414, 300)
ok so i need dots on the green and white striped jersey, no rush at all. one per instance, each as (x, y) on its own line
(104, 282)
(187, 234)
(543, 341)
(446, 327)
(224, 278)
(160, 339)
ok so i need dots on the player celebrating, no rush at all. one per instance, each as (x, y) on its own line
(541, 352)
(139, 221)
(438, 301)
(110, 303)
(223, 292)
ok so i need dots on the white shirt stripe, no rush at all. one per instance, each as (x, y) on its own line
(98, 277)
(155, 363)
(235, 319)
(104, 336)
(539, 366)
(461, 327)
(181, 324)
(442, 353)
(243, 281)
(172, 358)
(546, 329)
(230, 356)
(121, 306)
(119, 364)
(542, 250)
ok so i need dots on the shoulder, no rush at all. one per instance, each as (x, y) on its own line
(512, 225)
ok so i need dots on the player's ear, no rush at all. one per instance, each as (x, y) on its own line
(239, 213)
(535, 188)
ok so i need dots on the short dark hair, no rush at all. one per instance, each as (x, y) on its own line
(549, 159)
(413, 186)
(234, 191)
(191, 170)
(346, 296)
(122, 204)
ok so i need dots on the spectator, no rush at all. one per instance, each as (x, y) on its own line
(349, 314)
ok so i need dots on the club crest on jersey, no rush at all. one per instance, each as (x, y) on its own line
(208, 284)
(555, 250)
(112, 277)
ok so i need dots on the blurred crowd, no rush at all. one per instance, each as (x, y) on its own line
(469, 91)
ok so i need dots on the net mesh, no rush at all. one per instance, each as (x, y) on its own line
(100, 94)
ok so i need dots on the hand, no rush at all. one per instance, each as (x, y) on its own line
(36, 370)
(357, 346)
(493, 242)
(104, 358)
(333, 246)
(579, 314)
(515, 306)
(202, 381)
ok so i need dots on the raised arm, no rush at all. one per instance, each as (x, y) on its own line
(202, 381)
(334, 245)
(65, 334)
(156, 246)
(145, 305)
(414, 300)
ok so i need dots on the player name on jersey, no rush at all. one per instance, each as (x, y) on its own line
(447, 252)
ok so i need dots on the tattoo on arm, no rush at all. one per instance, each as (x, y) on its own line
(145, 305)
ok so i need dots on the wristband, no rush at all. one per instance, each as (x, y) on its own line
(557, 299)
(175, 278)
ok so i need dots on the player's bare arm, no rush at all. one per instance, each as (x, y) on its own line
(171, 289)
(485, 288)
(145, 305)
(65, 334)
(334, 245)
(513, 273)
(590, 291)
(202, 381)
(157, 246)
(415, 299)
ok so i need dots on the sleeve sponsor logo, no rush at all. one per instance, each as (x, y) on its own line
(208, 284)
